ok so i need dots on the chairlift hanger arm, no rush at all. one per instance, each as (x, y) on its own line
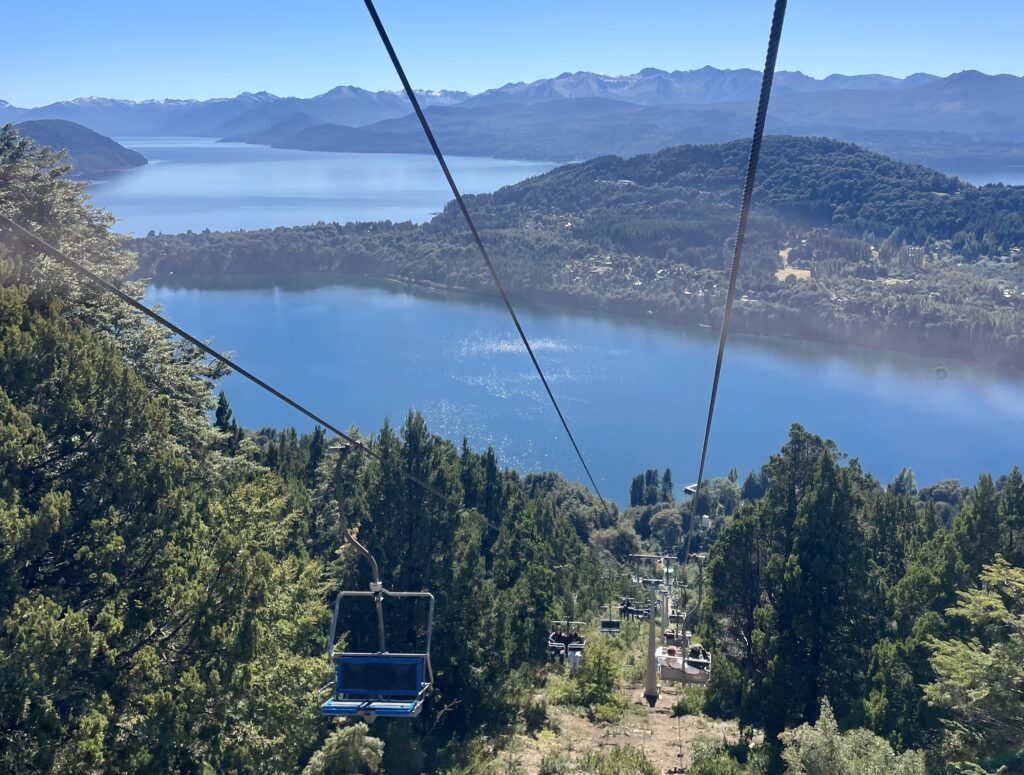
(384, 593)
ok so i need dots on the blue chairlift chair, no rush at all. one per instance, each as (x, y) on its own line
(385, 684)
(381, 683)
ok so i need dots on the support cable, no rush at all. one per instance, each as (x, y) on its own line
(62, 258)
(476, 238)
(748, 190)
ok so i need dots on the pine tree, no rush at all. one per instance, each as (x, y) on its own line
(636, 491)
(223, 416)
(652, 490)
(666, 495)
(315, 454)
(753, 487)
(1011, 517)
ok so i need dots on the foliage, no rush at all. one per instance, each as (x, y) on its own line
(821, 749)
(726, 758)
(555, 763)
(620, 760)
(347, 750)
(163, 579)
(830, 585)
(789, 588)
(648, 488)
(690, 702)
(600, 675)
(980, 675)
(130, 599)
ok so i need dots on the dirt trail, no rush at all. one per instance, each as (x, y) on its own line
(652, 730)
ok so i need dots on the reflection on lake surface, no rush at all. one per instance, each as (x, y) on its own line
(634, 393)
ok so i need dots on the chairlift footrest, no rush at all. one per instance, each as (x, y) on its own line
(383, 708)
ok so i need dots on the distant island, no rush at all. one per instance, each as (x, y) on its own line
(90, 154)
(845, 245)
(967, 118)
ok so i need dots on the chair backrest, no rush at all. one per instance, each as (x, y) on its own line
(373, 676)
(611, 625)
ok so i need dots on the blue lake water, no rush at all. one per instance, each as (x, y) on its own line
(1011, 175)
(634, 393)
(198, 183)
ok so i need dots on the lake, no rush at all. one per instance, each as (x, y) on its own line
(979, 175)
(634, 393)
(197, 183)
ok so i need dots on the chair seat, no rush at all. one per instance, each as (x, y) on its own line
(334, 707)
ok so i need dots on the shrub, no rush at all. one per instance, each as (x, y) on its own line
(690, 702)
(621, 760)
(555, 763)
(724, 691)
(606, 714)
(821, 749)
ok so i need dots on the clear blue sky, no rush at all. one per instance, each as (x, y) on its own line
(138, 49)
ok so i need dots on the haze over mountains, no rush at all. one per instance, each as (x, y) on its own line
(922, 118)
(225, 116)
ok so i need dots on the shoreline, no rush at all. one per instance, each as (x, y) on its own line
(560, 304)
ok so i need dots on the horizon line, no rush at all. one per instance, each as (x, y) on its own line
(399, 92)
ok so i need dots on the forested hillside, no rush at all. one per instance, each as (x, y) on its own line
(165, 575)
(885, 254)
(91, 154)
(164, 583)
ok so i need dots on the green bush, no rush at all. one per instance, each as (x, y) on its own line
(621, 760)
(606, 714)
(555, 763)
(724, 690)
(600, 676)
(596, 688)
(690, 702)
(821, 749)
(716, 762)
(722, 758)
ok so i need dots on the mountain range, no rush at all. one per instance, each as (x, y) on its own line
(220, 117)
(681, 87)
(944, 121)
(966, 117)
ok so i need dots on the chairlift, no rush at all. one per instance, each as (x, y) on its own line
(382, 683)
(687, 661)
(633, 609)
(697, 665)
(559, 645)
(611, 626)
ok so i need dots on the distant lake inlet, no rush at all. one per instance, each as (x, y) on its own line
(195, 183)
